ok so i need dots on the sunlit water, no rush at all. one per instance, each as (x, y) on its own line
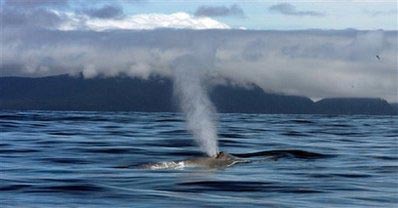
(91, 159)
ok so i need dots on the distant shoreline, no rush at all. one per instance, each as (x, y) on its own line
(65, 93)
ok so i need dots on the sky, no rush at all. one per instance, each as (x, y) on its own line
(285, 15)
(312, 48)
(255, 14)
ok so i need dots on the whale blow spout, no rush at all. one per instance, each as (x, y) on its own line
(191, 92)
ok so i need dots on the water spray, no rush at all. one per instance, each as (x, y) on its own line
(194, 102)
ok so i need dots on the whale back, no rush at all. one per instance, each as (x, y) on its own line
(283, 153)
(223, 160)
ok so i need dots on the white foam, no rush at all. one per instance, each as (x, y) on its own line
(167, 165)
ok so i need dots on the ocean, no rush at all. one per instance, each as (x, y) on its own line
(94, 159)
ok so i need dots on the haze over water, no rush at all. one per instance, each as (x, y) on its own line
(89, 159)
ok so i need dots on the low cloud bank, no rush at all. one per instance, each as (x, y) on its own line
(312, 63)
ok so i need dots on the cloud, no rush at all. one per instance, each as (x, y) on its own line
(105, 18)
(143, 22)
(35, 3)
(375, 13)
(217, 11)
(106, 12)
(134, 1)
(34, 17)
(288, 9)
(312, 63)
(38, 41)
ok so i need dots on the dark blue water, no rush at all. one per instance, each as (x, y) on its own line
(90, 159)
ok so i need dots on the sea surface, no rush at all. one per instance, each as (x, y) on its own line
(93, 159)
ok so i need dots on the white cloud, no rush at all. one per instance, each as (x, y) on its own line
(179, 20)
(313, 63)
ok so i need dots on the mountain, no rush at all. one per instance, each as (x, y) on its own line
(156, 94)
(395, 106)
(76, 93)
(354, 106)
(255, 100)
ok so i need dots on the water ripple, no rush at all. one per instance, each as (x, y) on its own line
(90, 159)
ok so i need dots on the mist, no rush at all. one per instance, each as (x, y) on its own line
(190, 90)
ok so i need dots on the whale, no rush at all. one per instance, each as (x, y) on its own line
(220, 160)
(276, 154)
(223, 160)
